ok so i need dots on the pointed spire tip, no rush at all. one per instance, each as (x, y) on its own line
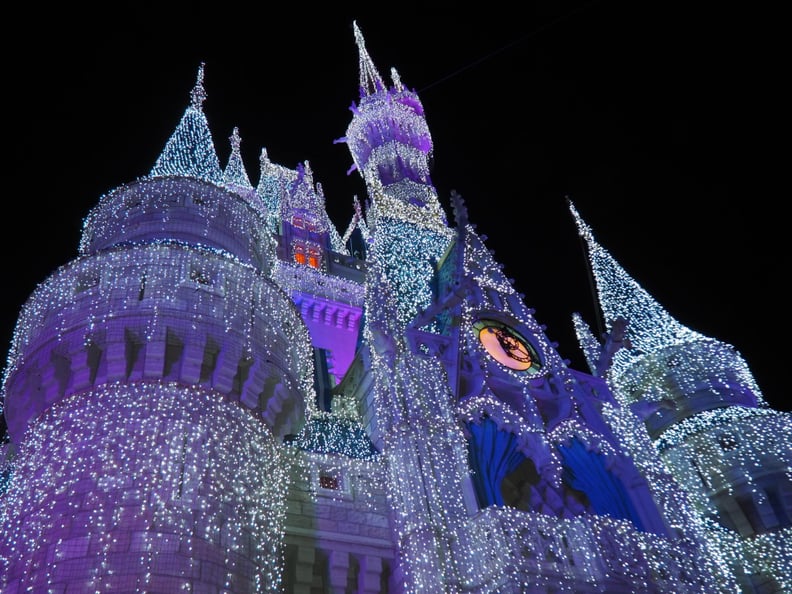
(198, 93)
(370, 79)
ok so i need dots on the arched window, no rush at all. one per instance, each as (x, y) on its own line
(586, 470)
(298, 251)
(314, 257)
(493, 454)
(307, 254)
(503, 475)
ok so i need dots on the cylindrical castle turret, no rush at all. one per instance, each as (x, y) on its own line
(149, 384)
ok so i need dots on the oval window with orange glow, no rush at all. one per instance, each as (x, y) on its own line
(506, 346)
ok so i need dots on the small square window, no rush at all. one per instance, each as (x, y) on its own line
(329, 482)
(87, 282)
(728, 442)
(200, 277)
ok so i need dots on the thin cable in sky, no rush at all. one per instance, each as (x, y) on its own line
(502, 49)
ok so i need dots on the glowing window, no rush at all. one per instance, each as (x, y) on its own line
(302, 221)
(310, 255)
(507, 346)
(299, 253)
(314, 257)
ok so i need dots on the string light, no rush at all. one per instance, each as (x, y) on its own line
(708, 419)
(162, 396)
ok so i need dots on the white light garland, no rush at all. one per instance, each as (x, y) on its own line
(144, 502)
(162, 401)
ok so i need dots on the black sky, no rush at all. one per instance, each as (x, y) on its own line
(658, 120)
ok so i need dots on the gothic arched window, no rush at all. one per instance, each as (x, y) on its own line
(307, 254)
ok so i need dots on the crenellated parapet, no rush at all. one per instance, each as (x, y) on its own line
(160, 313)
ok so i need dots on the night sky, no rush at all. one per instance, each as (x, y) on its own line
(655, 120)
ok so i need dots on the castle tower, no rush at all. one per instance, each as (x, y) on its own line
(335, 473)
(706, 417)
(150, 382)
(411, 421)
(390, 143)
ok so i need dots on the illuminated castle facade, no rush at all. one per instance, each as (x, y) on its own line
(222, 393)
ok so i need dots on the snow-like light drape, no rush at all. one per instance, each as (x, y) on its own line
(186, 473)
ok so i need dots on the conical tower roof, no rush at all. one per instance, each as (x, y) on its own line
(370, 80)
(190, 151)
(591, 347)
(236, 179)
(646, 345)
(650, 326)
(235, 174)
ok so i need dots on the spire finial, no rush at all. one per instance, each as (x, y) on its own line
(190, 150)
(370, 80)
(396, 78)
(198, 93)
(264, 159)
(583, 229)
(236, 140)
(235, 173)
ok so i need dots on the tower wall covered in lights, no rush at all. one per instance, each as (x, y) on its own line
(224, 392)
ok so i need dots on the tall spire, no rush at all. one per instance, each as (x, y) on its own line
(190, 151)
(591, 347)
(642, 336)
(396, 78)
(370, 79)
(198, 93)
(650, 327)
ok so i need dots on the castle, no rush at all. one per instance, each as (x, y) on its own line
(223, 393)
